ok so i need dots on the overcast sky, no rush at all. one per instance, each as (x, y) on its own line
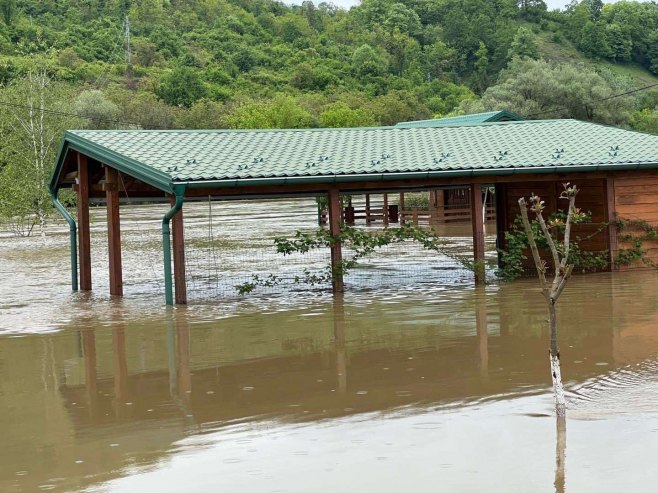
(552, 4)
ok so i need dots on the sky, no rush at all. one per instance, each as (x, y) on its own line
(552, 4)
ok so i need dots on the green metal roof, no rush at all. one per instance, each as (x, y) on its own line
(475, 118)
(223, 158)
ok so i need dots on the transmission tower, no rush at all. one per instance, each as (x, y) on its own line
(127, 47)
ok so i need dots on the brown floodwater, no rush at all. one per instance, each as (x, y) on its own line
(414, 380)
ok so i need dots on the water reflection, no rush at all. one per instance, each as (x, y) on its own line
(114, 394)
(560, 453)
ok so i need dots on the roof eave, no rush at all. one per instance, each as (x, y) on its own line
(146, 174)
(415, 175)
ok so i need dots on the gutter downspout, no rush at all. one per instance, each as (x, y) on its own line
(166, 243)
(73, 230)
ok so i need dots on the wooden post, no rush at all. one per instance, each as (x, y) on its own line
(113, 230)
(336, 250)
(477, 224)
(368, 221)
(611, 217)
(385, 210)
(178, 233)
(401, 202)
(440, 206)
(84, 242)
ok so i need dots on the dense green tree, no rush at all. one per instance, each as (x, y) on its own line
(281, 112)
(646, 121)
(619, 42)
(98, 111)
(532, 9)
(181, 87)
(8, 11)
(339, 114)
(367, 61)
(480, 75)
(594, 40)
(30, 135)
(524, 44)
(538, 89)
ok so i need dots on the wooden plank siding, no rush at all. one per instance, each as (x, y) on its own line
(636, 198)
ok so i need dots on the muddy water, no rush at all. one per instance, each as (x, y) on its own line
(414, 386)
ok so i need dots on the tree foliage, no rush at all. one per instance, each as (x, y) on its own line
(267, 64)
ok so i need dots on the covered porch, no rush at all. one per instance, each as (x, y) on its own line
(513, 158)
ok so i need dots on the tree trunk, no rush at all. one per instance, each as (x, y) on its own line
(554, 356)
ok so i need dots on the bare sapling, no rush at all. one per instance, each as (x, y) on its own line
(562, 271)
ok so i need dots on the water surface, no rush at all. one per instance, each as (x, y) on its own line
(403, 384)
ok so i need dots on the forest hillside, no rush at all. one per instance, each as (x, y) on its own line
(265, 64)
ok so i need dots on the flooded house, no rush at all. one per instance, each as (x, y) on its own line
(616, 171)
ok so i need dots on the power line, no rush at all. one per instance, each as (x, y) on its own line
(75, 115)
(552, 110)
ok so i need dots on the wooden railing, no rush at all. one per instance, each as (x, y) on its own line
(417, 217)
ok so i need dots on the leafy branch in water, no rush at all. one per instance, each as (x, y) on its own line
(360, 243)
(512, 258)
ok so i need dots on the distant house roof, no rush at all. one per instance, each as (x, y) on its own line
(225, 158)
(473, 119)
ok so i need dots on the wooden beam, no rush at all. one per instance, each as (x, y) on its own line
(336, 249)
(397, 185)
(180, 286)
(113, 230)
(84, 242)
(385, 210)
(611, 217)
(368, 221)
(477, 224)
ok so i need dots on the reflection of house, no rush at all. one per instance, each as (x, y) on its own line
(144, 385)
(514, 157)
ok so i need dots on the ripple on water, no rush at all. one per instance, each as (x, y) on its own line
(632, 389)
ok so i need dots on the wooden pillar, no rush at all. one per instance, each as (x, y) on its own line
(385, 210)
(336, 250)
(477, 224)
(178, 234)
(611, 217)
(84, 242)
(368, 221)
(440, 206)
(401, 202)
(113, 230)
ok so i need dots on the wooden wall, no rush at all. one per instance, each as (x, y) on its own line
(591, 198)
(636, 197)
